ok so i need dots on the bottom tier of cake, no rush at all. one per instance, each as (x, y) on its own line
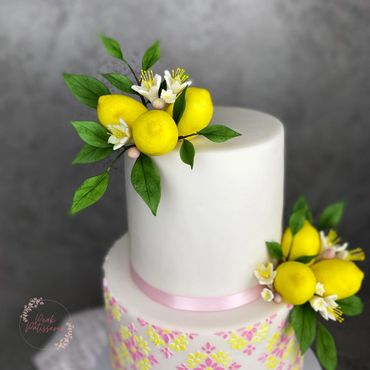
(144, 334)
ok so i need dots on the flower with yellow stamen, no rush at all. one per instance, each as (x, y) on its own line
(120, 134)
(149, 85)
(176, 80)
(265, 273)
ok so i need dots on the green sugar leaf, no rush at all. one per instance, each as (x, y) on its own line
(296, 220)
(325, 348)
(92, 133)
(218, 133)
(90, 154)
(112, 47)
(303, 321)
(302, 205)
(90, 191)
(351, 306)
(85, 89)
(145, 179)
(120, 81)
(274, 249)
(151, 56)
(306, 259)
(187, 153)
(331, 216)
(179, 106)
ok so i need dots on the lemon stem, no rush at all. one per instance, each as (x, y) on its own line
(138, 82)
(120, 154)
(185, 136)
(290, 248)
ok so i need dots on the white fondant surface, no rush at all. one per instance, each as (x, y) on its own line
(118, 278)
(213, 221)
(145, 335)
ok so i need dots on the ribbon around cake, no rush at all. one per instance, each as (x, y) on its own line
(207, 304)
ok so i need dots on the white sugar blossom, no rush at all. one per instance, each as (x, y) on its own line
(265, 273)
(320, 290)
(327, 307)
(267, 295)
(149, 86)
(120, 134)
(332, 241)
(168, 96)
(176, 80)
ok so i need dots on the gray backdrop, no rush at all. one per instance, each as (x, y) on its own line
(305, 61)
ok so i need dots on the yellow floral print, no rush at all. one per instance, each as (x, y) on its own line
(195, 359)
(237, 342)
(179, 344)
(222, 358)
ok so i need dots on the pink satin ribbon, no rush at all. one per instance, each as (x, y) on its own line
(196, 303)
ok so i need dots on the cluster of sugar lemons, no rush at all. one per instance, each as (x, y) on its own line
(296, 281)
(155, 132)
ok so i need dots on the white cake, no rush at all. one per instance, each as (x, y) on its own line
(179, 287)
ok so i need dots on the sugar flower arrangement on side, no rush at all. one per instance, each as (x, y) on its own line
(313, 270)
(170, 111)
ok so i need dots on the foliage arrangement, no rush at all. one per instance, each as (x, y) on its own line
(313, 270)
(169, 111)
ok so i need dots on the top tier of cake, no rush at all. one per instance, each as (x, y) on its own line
(213, 221)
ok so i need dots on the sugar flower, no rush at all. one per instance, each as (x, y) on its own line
(327, 307)
(320, 290)
(176, 80)
(267, 295)
(331, 242)
(168, 96)
(149, 86)
(265, 273)
(120, 134)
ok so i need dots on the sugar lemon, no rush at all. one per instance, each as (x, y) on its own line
(113, 107)
(155, 132)
(295, 282)
(305, 243)
(198, 111)
(339, 277)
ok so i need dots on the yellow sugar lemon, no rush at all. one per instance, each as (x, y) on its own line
(155, 132)
(305, 243)
(295, 282)
(197, 113)
(339, 277)
(113, 107)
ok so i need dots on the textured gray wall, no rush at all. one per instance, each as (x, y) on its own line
(305, 61)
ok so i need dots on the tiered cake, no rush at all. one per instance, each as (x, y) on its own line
(179, 288)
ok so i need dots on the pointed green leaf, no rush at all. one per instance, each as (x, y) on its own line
(296, 221)
(90, 154)
(325, 348)
(351, 306)
(120, 81)
(92, 133)
(85, 89)
(112, 47)
(306, 259)
(218, 133)
(274, 249)
(151, 56)
(302, 205)
(303, 321)
(90, 191)
(145, 179)
(187, 153)
(331, 216)
(179, 106)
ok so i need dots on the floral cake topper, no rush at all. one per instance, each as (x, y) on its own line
(313, 270)
(170, 110)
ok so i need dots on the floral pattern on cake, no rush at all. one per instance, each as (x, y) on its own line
(136, 344)
(168, 341)
(113, 309)
(209, 358)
